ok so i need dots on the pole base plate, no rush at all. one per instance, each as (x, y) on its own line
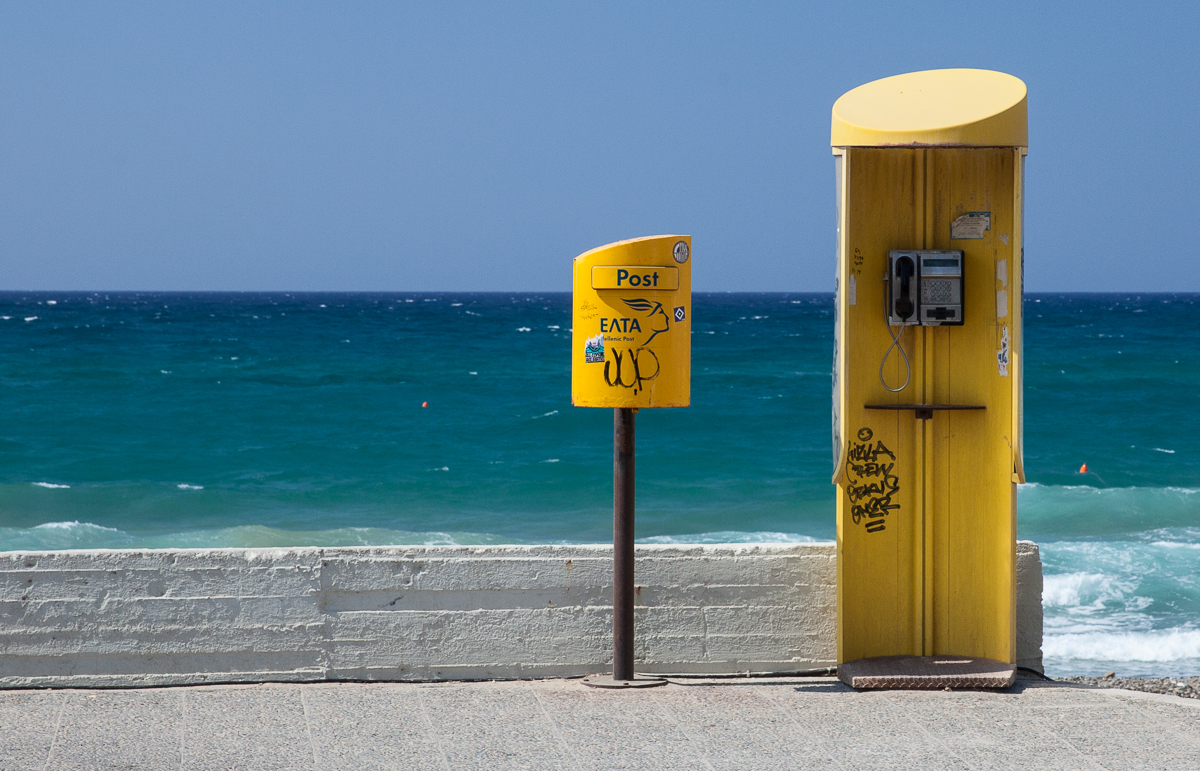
(927, 673)
(607, 681)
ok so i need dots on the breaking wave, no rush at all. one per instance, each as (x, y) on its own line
(1165, 645)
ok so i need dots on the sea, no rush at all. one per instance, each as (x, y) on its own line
(150, 420)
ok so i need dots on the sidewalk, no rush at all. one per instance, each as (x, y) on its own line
(784, 723)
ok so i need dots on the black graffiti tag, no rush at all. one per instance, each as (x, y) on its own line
(871, 485)
(630, 374)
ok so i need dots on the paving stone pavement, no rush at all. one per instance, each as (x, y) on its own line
(784, 723)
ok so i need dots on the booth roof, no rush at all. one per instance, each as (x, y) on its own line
(961, 107)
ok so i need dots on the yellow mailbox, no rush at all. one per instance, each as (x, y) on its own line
(631, 347)
(927, 387)
(631, 340)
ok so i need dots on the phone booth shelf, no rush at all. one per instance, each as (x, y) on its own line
(927, 389)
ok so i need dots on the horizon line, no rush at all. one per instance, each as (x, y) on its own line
(520, 291)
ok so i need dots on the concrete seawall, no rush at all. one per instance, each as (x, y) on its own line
(169, 617)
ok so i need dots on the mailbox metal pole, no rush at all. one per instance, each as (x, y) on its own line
(623, 586)
(623, 500)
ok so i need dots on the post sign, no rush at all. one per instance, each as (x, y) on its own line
(631, 341)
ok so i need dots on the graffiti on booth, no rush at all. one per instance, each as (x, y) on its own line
(871, 485)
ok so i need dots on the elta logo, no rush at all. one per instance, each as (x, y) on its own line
(659, 321)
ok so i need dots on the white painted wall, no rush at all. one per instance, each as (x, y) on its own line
(133, 618)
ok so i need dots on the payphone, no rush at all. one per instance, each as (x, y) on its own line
(925, 287)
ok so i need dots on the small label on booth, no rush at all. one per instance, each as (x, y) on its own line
(970, 226)
(639, 277)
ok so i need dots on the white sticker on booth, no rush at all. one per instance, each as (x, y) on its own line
(971, 225)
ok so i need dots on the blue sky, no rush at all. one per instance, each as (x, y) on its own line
(481, 146)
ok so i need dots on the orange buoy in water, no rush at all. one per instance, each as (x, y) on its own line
(426, 404)
(1083, 469)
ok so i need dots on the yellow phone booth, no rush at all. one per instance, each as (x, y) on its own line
(927, 388)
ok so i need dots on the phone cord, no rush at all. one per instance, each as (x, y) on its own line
(895, 344)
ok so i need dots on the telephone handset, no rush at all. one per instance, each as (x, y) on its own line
(924, 287)
(902, 270)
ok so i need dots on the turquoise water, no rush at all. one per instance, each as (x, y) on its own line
(154, 420)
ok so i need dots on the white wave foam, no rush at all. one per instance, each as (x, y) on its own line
(544, 414)
(1071, 589)
(1080, 488)
(731, 536)
(51, 486)
(57, 525)
(190, 487)
(1093, 596)
(1134, 490)
(1164, 645)
(550, 460)
(75, 525)
(1159, 449)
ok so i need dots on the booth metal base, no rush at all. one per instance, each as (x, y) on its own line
(926, 673)
(607, 681)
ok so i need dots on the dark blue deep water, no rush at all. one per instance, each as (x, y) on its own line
(153, 420)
